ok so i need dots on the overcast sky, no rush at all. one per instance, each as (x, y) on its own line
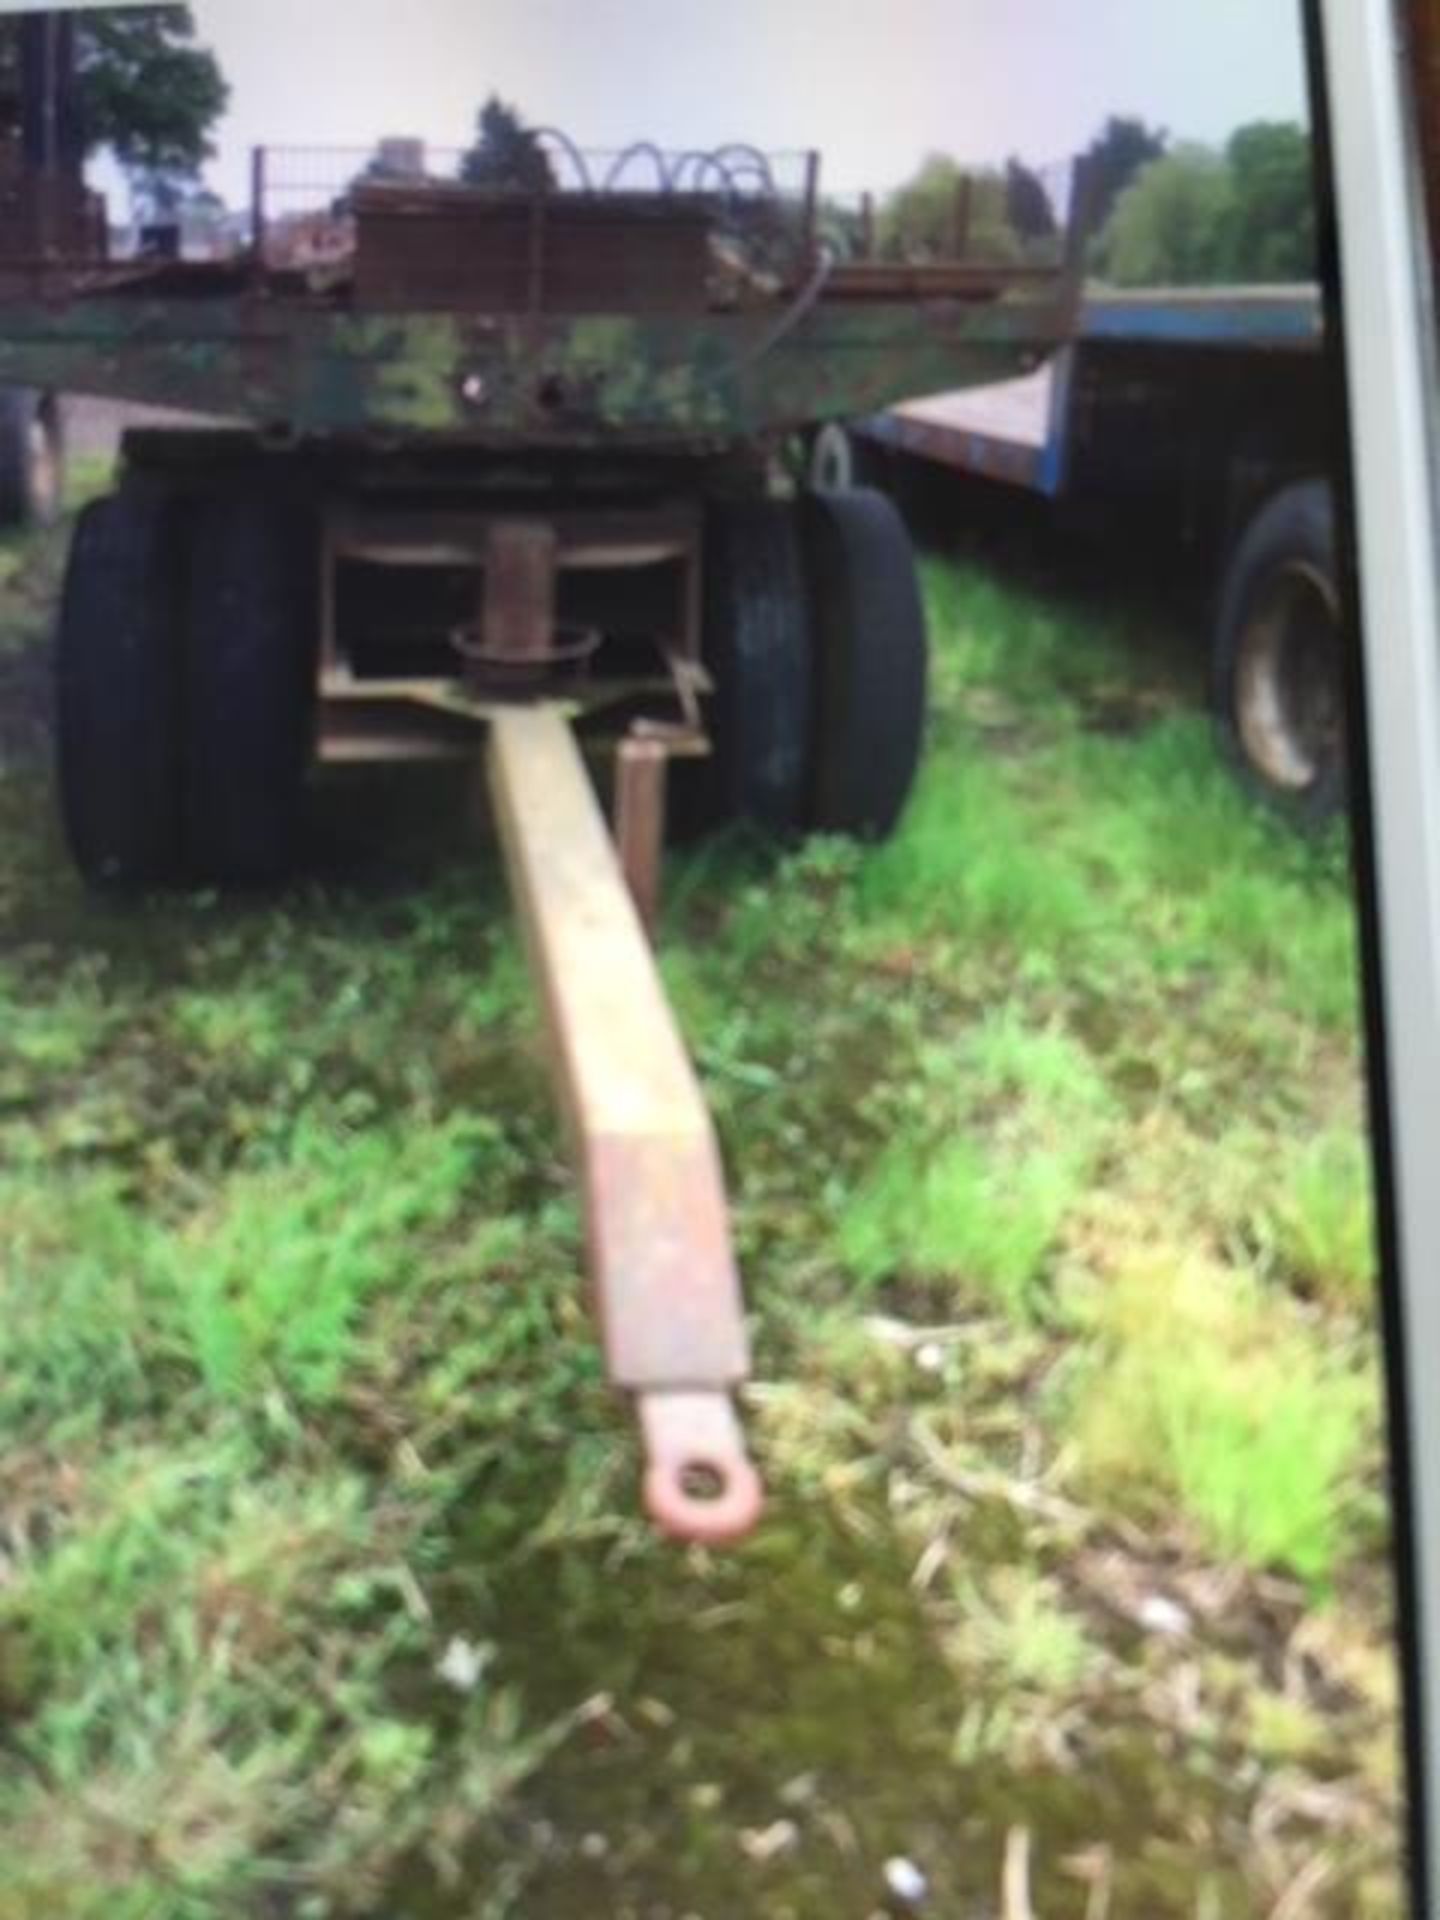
(873, 84)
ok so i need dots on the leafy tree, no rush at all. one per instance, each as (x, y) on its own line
(920, 220)
(506, 153)
(145, 91)
(1171, 227)
(1027, 205)
(1197, 217)
(1272, 217)
(1113, 159)
(149, 94)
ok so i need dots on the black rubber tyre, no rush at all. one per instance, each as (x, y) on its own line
(32, 459)
(1277, 681)
(251, 633)
(871, 662)
(758, 652)
(118, 692)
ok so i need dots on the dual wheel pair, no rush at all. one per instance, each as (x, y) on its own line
(185, 687)
(186, 678)
(815, 640)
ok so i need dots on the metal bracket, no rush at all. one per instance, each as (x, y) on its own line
(640, 767)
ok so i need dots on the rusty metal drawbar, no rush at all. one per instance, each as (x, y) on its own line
(667, 1293)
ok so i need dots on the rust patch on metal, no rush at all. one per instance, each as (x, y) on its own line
(657, 1233)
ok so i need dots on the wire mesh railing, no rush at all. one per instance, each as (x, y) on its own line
(765, 210)
(305, 200)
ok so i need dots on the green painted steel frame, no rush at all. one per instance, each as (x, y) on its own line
(591, 381)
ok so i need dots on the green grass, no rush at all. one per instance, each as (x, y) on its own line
(276, 1275)
(967, 865)
(1320, 1220)
(1198, 1389)
(210, 1652)
(1042, 1130)
(950, 1213)
(90, 1317)
(1014, 1633)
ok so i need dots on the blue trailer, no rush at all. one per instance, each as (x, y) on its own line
(1203, 413)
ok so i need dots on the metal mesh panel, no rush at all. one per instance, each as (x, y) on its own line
(307, 199)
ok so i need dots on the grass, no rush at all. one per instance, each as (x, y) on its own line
(1321, 1220)
(235, 1627)
(1201, 1391)
(1050, 1190)
(1007, 1133)
(275, 1278)
(89, 1313)
(1013, 1631)
(952, 1214)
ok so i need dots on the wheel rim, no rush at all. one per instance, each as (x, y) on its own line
(1289, 695)
(832, 461)
(44, 469)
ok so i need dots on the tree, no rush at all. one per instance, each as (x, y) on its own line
(506, 152)
(1197, 217)
(145, 91)
(1272, 220)
(922, 220)
(1170, 227)
(149, 95)
(1113, 159)
(1027, 205)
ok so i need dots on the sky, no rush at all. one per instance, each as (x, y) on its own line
(874, 85)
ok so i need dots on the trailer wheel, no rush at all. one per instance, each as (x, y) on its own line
(871, 659)
(1278, 670)
(758, 652)
(32, 460)
(117, 692)
(250, 645)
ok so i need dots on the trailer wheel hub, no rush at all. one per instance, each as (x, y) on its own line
(1288, 692)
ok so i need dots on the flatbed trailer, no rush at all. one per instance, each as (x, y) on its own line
(1206, 414)
(493, 481)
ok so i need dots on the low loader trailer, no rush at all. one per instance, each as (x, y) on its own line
(494, 480)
